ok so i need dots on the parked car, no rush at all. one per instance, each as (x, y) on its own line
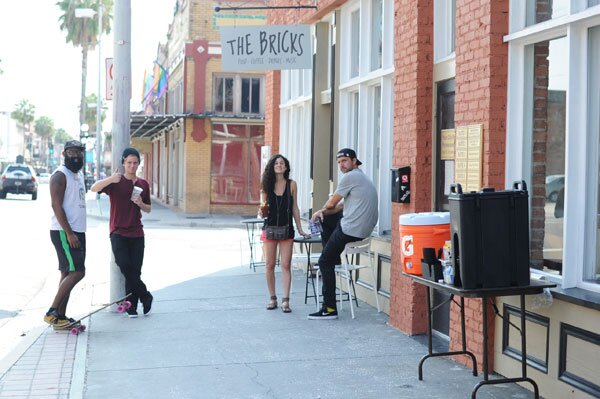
(44, 178)
(18, 178)
(554, 184)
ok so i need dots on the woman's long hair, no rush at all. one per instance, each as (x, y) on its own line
(267, 183)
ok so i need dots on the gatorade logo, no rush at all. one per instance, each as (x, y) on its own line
(408, 248)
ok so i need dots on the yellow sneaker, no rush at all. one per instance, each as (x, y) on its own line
(53, 319)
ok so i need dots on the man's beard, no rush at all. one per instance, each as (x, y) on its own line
(74, 164)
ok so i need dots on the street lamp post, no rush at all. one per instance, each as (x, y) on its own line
(89, 13)
(99, 102)
(83, 135)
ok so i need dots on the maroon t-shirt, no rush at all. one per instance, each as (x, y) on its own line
(125, 215)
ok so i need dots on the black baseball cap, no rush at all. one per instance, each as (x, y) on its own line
(348, 152)
(129, 151)
(74, 144)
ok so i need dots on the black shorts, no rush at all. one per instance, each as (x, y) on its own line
(69, 259)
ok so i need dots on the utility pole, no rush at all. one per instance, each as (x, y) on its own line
(120, 126)
(99, 102)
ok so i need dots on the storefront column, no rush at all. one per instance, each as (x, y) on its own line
(413, 135)
(481, 93)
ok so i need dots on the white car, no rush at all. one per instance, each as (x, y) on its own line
(44, 178)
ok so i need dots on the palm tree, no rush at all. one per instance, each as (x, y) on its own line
(44, 127)
(24, 114)
(84, 33)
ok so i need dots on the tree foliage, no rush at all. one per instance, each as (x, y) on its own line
(90, 114)
(44, 127)
(24, 113)
(61, 136)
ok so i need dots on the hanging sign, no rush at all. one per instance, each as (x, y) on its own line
(265, 47)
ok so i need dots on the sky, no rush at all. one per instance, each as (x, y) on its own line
(41, 67)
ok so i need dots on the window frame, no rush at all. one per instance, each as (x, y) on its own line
(237, 93)
(295, 132)
(363, 84)
(580, 149)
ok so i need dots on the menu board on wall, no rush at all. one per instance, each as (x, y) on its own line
(468, 154)
(447, 145)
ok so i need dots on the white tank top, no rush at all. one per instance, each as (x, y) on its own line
(73, 202)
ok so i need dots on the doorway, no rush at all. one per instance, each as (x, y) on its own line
(444, 172)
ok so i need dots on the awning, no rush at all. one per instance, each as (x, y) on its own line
(147, 126)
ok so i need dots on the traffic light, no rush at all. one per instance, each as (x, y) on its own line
(50, 147)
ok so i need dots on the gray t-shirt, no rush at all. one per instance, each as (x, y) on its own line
(360, 204)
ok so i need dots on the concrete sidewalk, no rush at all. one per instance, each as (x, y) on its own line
(210, 336)
(98, 206)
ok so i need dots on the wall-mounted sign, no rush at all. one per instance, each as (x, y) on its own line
(253, 48)
(447, 145)
(468, 154)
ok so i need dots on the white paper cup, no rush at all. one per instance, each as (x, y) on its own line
(137, 191)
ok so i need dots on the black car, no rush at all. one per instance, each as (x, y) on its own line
(18, 178)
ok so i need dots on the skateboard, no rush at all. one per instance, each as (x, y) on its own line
(75, 327)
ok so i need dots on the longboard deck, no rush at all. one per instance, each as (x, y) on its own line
(76, 325)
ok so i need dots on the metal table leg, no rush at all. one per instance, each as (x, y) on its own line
(430, 353)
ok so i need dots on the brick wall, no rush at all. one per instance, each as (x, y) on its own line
(413, 34)
(481, 76)
(197, 170)
(272, 100)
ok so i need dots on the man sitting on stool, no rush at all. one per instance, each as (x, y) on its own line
(356, 196)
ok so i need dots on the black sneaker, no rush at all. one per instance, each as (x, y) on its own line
(324, 314)
(132, 313)
(147, 302)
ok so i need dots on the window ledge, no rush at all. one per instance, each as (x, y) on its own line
(578, 296)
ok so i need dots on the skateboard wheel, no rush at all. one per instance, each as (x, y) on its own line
(120, 308)
(82, 328)
(74, 331)
(127, 305)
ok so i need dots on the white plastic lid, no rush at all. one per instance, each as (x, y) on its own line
(424, 218)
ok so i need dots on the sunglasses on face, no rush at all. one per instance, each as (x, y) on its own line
(74, 151)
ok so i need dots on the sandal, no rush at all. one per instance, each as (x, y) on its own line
(273, 304)
(285, 305)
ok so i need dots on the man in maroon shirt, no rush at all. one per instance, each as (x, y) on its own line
(129, 195)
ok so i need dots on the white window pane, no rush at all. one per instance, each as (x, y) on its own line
(354, 43)
(354, 116)
(376, 33)
(549, 79)
(444, 26)
(376, 134)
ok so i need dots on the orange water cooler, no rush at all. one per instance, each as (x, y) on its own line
(418, 231)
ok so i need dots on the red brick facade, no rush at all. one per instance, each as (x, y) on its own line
(481, 93)
(412, 145)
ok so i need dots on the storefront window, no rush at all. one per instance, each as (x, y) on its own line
(444, 20)
(235, 170)
(592, 271)
(549, 76)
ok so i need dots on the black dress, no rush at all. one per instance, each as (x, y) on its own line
(280, 210)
